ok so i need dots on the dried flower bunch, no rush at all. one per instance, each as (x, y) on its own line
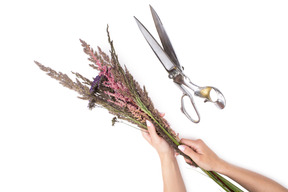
(115, 89)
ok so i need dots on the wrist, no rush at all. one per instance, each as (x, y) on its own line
(222, 167)
(168, 161)
(166, 156)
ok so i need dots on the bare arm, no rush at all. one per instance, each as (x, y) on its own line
(172, 179)
(250, 180)
(208, 160)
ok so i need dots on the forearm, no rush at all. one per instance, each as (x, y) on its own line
(251, 181)
(172, 179)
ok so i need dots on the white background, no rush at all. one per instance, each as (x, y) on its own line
(50, 141)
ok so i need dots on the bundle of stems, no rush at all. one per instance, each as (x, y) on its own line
(115, 89)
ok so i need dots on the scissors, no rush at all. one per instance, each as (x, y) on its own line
(168, 58)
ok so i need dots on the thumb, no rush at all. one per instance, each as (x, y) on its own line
(188, 151)
(151, 130)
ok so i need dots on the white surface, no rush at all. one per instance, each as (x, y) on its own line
(50, 141)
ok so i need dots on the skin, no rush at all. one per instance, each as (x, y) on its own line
(172, 179)
(208, 160)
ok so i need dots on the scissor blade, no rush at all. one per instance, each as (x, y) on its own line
(168, 48)
(160, 53)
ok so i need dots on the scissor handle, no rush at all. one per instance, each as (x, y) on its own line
(185, 112)
(183, 109)
(213, 95)
(210, 94)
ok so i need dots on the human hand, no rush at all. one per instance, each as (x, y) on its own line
(161, 146)
(201, 154)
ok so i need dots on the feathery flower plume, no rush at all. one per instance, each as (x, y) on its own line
(115, 89)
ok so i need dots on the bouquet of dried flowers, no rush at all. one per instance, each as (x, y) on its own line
(115, 89)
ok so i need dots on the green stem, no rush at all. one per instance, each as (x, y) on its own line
(144, 108)
(227, 183)
(137, 122)
(221, 181)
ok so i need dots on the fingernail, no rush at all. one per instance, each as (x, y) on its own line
(148, 123)
(181, 147)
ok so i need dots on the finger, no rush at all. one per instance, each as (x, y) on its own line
(188, 161)
(162, 114)
(188, 151)
(146, 136)
(188, 142)
(196, 145)
(151, 130)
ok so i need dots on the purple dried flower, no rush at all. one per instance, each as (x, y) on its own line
(95, 83)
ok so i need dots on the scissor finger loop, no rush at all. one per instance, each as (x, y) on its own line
(183, 109)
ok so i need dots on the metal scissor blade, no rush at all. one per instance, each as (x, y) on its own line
(160, 53)
(168, 48)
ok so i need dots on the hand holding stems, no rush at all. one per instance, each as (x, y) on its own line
(207, 159)
(201, 154)
(204, 157)
(161, 146)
